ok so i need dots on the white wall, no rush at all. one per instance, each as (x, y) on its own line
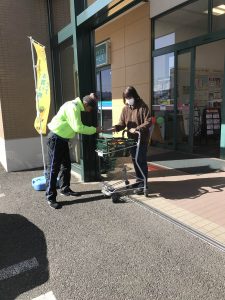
(21, 154)
(159, 6)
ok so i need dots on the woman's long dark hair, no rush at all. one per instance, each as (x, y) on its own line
(130, 92)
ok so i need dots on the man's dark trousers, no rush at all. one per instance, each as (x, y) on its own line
(58, 161)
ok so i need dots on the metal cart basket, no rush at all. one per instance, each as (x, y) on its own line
(112, 148)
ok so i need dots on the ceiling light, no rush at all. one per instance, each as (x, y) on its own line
(221, 7)
(217, 11)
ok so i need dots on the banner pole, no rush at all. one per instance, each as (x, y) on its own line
(37, 42)
(38, 112)
(34, 67)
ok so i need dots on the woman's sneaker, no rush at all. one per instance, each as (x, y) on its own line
(140, 189)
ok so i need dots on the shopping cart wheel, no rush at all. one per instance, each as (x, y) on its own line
(116, 198)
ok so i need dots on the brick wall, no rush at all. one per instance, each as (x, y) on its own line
(1, 122)
(19, 19)
(60, 14)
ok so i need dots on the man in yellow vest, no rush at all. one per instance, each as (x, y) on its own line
(64, 126)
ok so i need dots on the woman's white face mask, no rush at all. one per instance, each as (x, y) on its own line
(130, 101)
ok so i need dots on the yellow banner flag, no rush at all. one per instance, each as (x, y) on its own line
(42, 89)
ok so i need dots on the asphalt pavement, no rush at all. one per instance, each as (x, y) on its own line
(95, 249)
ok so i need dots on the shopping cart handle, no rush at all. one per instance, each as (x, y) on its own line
(124, 131)
(138, 132)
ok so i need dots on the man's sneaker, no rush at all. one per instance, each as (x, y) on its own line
(69, 192)
(54, 204)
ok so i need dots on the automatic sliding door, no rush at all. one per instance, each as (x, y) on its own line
(183, 103)
(208, 103)
(105, 97)
(163, 98)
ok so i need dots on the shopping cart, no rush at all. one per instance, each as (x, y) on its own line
(120, 147)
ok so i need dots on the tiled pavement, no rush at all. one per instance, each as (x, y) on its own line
(196, 201)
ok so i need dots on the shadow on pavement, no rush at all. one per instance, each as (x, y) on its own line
(164, 173)
(23, 256)
(198, 170)
(83, 200)
(182, 172)
(90, 192)
(190, 188)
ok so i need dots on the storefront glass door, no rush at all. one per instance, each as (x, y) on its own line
(104, 92)
(209, 78)
(183, 101)
(195, 34)
(163, 98)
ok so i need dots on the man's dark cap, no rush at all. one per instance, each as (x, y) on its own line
(95, 95)
(90, 101)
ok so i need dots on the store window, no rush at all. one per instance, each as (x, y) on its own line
(105, 97)
(218, 13)
(165, 40)
(60, 14)
(163, 98)
(183, 24)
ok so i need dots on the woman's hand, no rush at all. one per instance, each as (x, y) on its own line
(99, 130)
(132, 130)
